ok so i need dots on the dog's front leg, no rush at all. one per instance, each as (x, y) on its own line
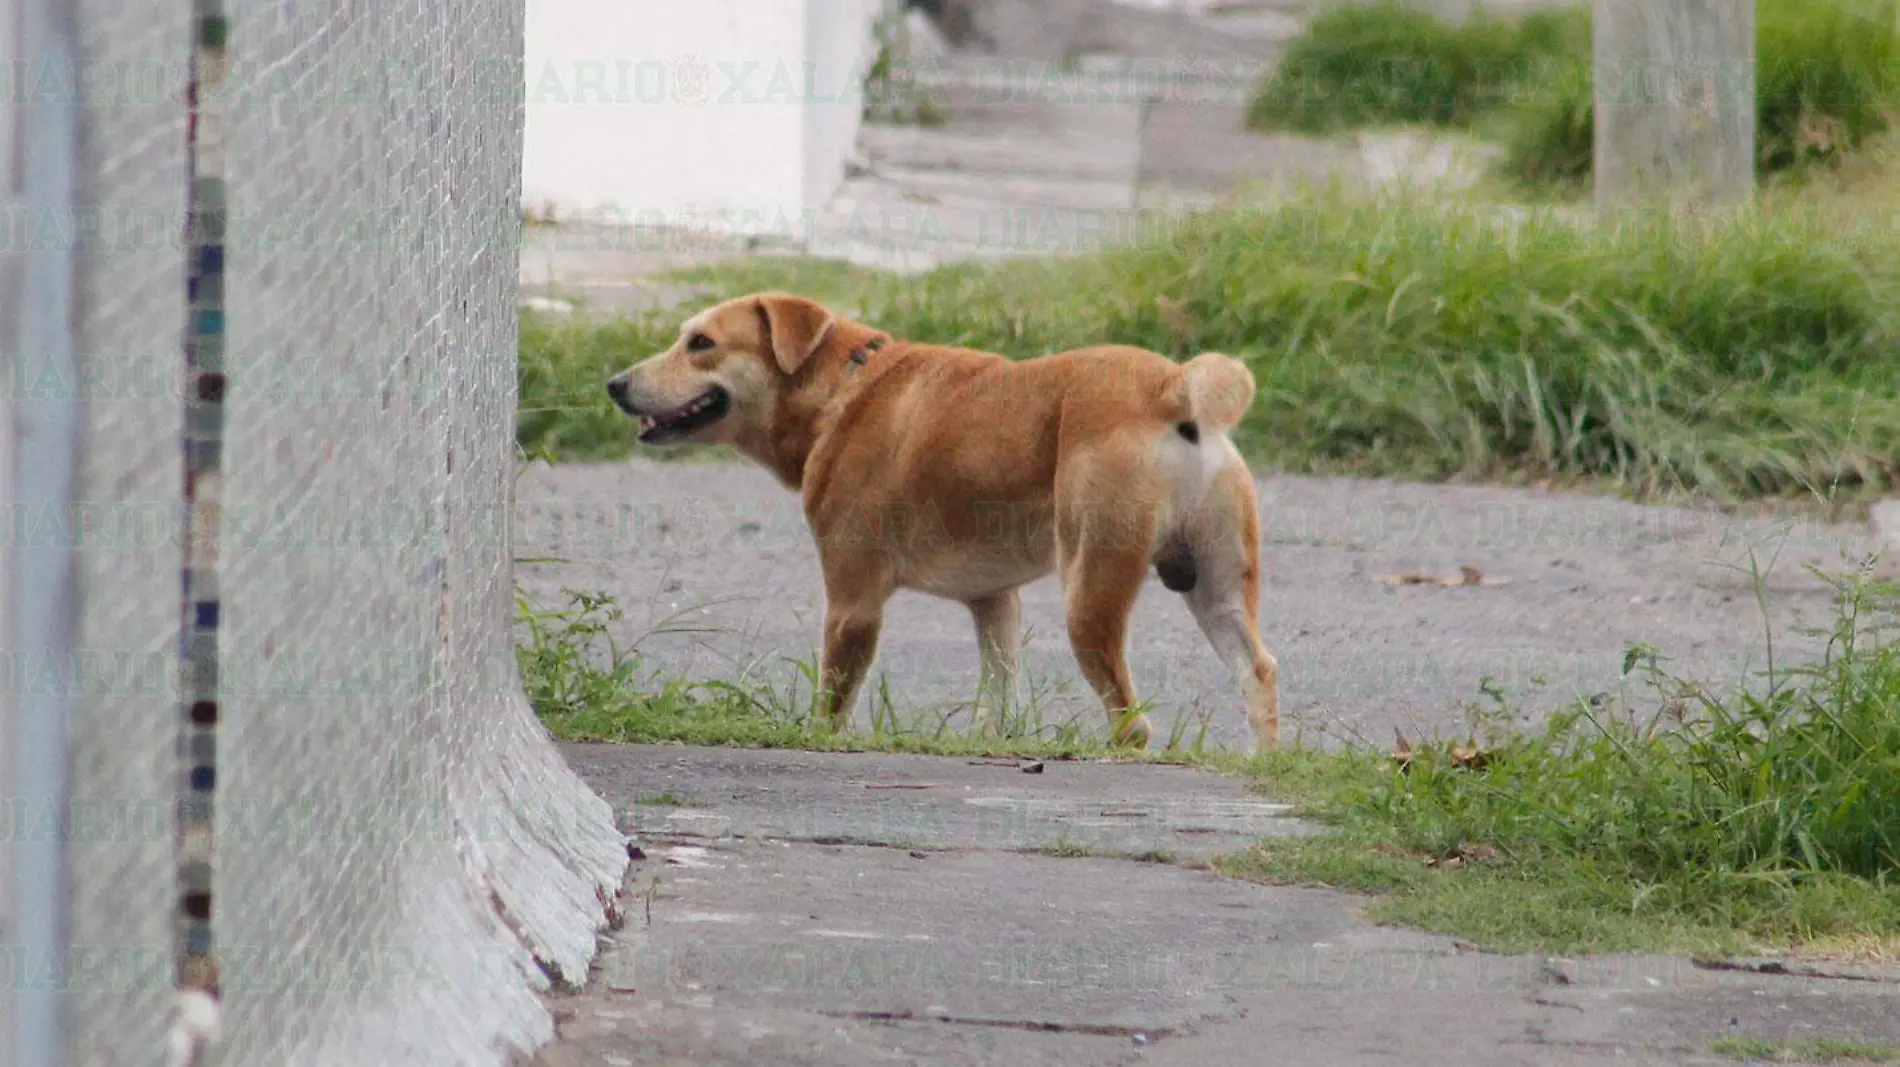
(851, 632)
(999, 639)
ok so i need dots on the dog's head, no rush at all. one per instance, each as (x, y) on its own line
(721, 380)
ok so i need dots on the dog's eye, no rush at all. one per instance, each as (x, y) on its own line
(699, 342)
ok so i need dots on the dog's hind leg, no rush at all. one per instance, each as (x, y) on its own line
(1103, 553)
(999, 639)
(1224, 535)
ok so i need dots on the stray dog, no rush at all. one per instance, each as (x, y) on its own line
(966, 475)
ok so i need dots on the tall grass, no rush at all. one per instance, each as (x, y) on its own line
(1825, 80)
(1825, 77)
(1744, 356)
(1825, 87)
(1386, 61)
(1748, 356)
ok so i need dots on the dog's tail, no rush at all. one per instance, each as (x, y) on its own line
(1215, 391)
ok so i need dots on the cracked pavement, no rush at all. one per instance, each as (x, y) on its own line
(847, 909)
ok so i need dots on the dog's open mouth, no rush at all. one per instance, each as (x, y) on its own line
(709, 407)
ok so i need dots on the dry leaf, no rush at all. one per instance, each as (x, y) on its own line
(1465, 576)
(1462, 855)
(1469, 756)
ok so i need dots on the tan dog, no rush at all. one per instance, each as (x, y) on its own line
(966, 475)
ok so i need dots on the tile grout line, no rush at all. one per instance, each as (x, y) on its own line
(201, 605)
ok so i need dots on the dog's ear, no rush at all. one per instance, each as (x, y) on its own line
(795, 326)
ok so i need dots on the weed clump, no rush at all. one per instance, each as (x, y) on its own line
(1769, 817)
(1369, 64)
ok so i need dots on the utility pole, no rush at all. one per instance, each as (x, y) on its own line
(1675, 102)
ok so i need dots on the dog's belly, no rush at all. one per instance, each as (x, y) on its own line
(969, 571)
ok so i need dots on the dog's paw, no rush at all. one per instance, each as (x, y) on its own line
(1135, 733)
(984, 723)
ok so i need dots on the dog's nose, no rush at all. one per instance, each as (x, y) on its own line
(617, 388)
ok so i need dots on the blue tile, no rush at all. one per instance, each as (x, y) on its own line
(207, 615)
(203, 779)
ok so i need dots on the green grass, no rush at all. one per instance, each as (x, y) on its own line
(1068, 848)
(1387, 62)
(1746, 356)
(1804, 1050)
(1065, 848)
(834, 281)
(1766, 821)
(1825, 80)
(563, 411)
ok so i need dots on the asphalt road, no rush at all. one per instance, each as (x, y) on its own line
(1571, 582)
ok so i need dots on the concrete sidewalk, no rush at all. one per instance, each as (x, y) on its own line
(845, 910)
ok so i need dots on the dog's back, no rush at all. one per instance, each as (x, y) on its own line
(957, 458)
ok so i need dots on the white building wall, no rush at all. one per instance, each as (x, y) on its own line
(843, 47)
(733, 113)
